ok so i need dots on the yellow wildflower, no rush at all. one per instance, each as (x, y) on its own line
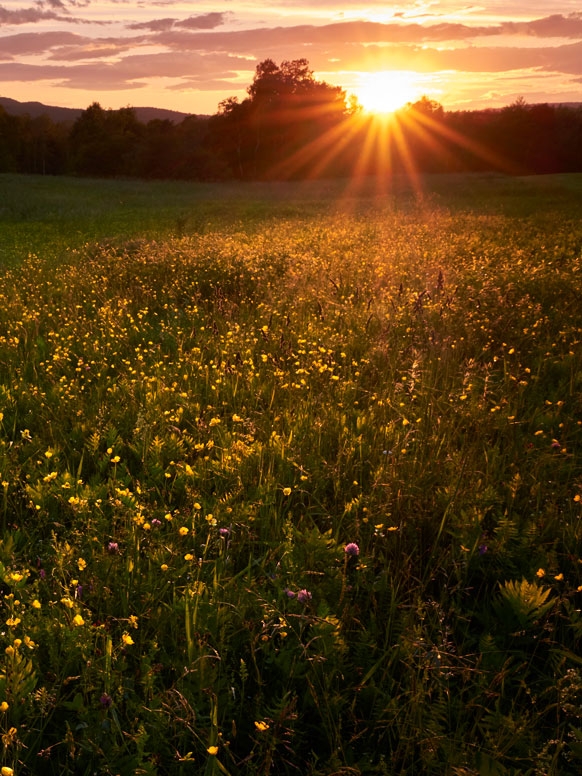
(212, 750)
(7, 739)
(78, 620)
(16, 576)
(261, 726)
(127, 640)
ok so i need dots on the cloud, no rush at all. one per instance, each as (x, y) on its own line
(52, 4)
(364, 33)
(65, 46)
(101, 76)
(62, 4)
(39, 14)
(329, 35)
(566, 59)
(133, 72)
(552, 59)
(39, 42)
(18, 71)
(99, 49)
(155, 25)
(556, 59)
(207, 21)
(204, 84)
(172, 65)
(555, 26)
(28, 15)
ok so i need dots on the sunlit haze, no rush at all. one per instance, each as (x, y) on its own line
(188, 57)
(388, 90)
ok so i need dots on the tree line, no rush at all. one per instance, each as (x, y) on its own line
(292, 126)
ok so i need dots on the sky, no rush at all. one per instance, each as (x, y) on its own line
(188, 56)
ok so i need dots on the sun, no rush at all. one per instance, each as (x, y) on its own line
(388, 90)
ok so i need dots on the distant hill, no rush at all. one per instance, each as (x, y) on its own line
(56, 114)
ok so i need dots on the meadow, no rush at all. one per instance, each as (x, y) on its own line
(290, 477)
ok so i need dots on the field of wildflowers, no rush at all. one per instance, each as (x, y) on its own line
(291, 485)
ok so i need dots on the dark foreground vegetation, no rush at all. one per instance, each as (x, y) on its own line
(291, 482)
(291, 126)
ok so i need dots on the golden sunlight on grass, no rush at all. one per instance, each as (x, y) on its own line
(387, 90)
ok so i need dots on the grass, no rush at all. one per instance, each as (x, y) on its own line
(51, 215)
(291, 477)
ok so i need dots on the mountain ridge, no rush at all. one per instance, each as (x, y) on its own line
(58, 114)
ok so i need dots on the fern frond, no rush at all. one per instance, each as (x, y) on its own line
(526, 601)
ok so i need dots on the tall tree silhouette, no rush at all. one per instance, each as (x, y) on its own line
(286, 109)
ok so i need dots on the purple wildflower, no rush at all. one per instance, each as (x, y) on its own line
(483, 549)
(156, 522)
(113, 548)
(106, 700)
(289, 593)
(224, 532)
(304, 596)
(352, 550)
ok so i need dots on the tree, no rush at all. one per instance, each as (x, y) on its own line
(290, 110)
(426, 107)
(421, 123)
(286, 110)
(10, 142)
(105, 142)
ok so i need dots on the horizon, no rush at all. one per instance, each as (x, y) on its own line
(155, 108)
(62, 54)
